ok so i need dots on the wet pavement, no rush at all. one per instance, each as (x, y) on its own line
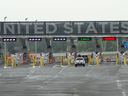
(101, 80)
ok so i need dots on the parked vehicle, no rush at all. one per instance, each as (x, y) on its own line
(79, 61)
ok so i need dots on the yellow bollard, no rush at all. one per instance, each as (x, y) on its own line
(125, 60)
(117, 59)
(62, 60)
(97, 60)
(34, 61)
(13, 62)
(65, 61)
(5, 62)
(90, 60)
(69, 60)
(72, 60)
(41, 61)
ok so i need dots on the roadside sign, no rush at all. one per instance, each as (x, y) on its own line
(109, 38)
(84, 38)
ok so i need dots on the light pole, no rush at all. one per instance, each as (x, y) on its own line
(5, 18)
(26, 19)
(5, 44)
(27, 43)
(36, 20)
(36, 41)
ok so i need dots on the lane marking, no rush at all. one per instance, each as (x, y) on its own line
(124, 94)
(88, 73)
(75, 95)
(56, 75)
(123, 81)
(59, 72)
(55, 66)
(31, 71)
(120, 86)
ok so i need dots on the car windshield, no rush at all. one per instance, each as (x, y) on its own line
(79, 58)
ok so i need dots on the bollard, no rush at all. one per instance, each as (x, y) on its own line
(13, 61)
(32, 57)
(125, 60)
(90, 60)
(34, 61)
(41, 61)
(65, 60)
(5, 61)
(69, 60)
(72, 60)
(117, 59)
(97, 60)
(49, 60)
(62, 60)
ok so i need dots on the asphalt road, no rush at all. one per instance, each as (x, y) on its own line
(53, 80)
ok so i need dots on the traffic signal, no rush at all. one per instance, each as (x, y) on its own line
(59, 39)
(109, 38)
(34, 39)
(9, 39)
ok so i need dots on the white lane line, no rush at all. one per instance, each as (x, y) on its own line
(123, 81)
(89, 72)
(124, 94)
(59, 72)
(75, 95)
(56, 75)
(120, 87)
(55, 66)
(31, 72)
(59, 66)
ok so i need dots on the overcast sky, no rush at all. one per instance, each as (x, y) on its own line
(71, 10)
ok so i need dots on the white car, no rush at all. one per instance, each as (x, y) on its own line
(79, 61)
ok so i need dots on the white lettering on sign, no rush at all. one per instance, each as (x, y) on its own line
(62, 28)
(91, 28)
(9, 28)
(0, 28)
(18, 28)
(68, 28)
(114, 27)
(38, 28)
(124, 26)
(27, 28)
(103, 24)
(54, 28)
(79, 26)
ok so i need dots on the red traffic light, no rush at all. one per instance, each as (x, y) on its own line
(109, 38)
